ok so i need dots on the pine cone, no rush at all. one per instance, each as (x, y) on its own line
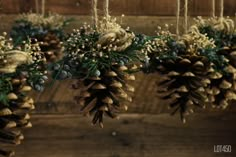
(105, 94)
(223, 87)
(51, 45)
(183, 83)
(15, 116)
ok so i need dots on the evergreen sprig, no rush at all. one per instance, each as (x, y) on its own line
(221, 38)
(85, 57)
(34, 72)
(37, 27)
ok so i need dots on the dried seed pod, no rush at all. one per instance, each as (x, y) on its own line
(107, 100)
(85, 94)
(123, 68)
(129, 88)
(185, 61)
(12, 96)
(5, 112)
(25, 89)
(99, 86)
(198, 64)
(15, 81)
(189, 74)
(116, 84)
(133, 67)
(225, 85)
(111, 74)
(129, 77)
(215, 75)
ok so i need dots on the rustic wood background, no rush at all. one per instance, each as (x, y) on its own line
(133, 135)
(118, 7)
(143, 16)
(60, 132)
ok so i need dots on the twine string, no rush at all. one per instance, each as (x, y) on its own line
(221, 9)
(177, 17)
(37, 6)
(186, 16)
(95, 13)
(235, 18)
(106, 9)
(43, 7)
(213, 8)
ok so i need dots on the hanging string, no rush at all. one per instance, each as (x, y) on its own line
(213, 8)
(177, 17)
(43, 7)
(221, 9)
(37, 6)
(186, 16)
(95, 12)
(106, 9)
(235, 19)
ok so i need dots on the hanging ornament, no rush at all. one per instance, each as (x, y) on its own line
(47, 29)
(102, 58)
(103, 61)
(14, 116)
(106, 94)
(183, 68)
(184, 83)
(222, 88)
(21, 69)
(222, 31)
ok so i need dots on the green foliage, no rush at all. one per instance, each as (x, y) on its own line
(161, 48)
(164, 47)
(5, 88)
(23, 28)
(84, 57)
(215, 58)
(220, 37)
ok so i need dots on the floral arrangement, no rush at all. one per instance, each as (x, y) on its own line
(219, 29)
(48, 30)
(223, 32)
(21, 69)
(188, 66)
(104, 59)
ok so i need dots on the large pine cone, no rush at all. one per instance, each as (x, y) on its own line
(15, 116)
(105, 94)
(51, 45)
(223, 86)
(183, 83)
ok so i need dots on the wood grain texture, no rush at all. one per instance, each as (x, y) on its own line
(118, 7)
(136, 23)
(133, 135)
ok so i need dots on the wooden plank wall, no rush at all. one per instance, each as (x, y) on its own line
(133, 135)
(118, 7)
